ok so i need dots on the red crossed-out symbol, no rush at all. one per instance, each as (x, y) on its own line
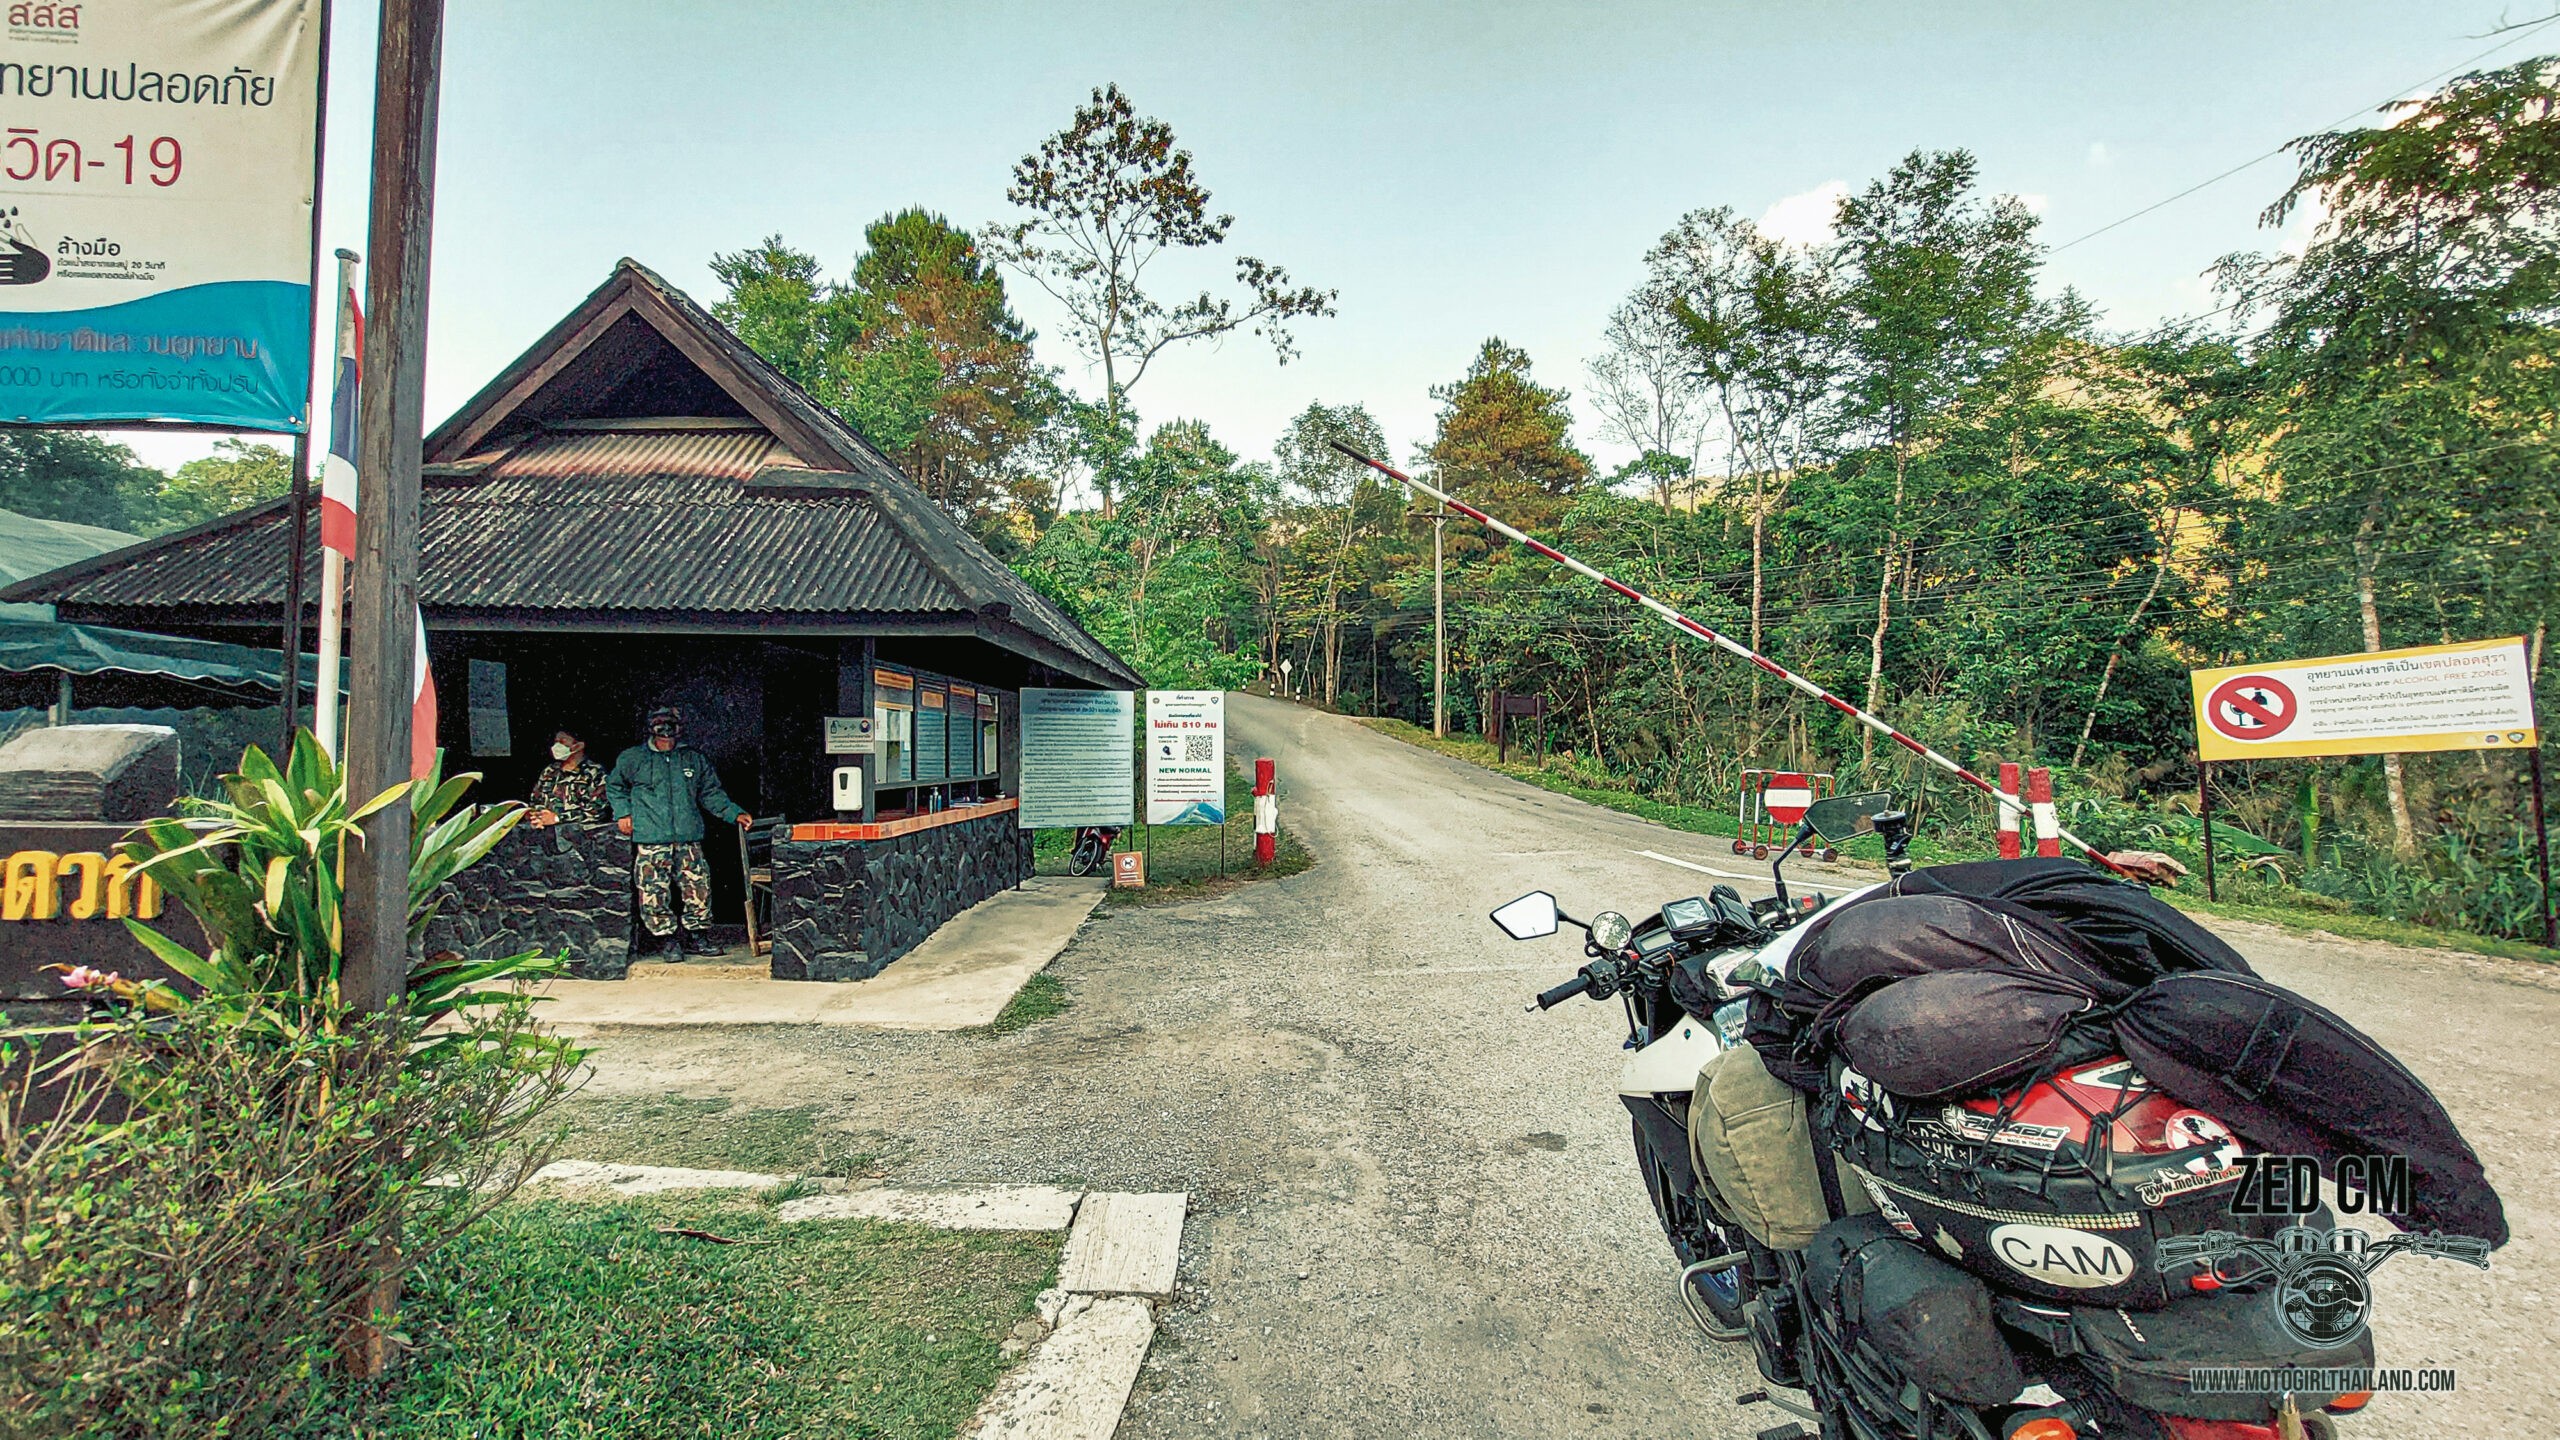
(2251, 707)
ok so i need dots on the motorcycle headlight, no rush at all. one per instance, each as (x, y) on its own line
(1611, 931)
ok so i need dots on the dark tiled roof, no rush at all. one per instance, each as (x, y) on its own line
(786, 512)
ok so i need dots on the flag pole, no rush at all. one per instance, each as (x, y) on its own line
(1687, 626)
(333, 562)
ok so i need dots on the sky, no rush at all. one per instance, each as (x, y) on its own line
(1455, 172)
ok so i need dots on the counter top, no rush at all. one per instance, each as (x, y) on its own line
(891, 829)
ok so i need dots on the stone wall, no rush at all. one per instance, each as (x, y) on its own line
(564, 888)
(843, 909)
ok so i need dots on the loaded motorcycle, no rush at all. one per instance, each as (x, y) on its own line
(1705, 957)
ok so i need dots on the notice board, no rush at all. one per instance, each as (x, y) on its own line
(1078, 758)
(2476, 696)
(1186, 757)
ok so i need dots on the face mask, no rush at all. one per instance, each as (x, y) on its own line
(664, 730)
(560, 752)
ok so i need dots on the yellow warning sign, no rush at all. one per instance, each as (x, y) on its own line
(2476, 696)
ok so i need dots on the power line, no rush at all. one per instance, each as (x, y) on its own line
(2519, 35)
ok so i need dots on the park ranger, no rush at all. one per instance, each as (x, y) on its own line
(660, 790)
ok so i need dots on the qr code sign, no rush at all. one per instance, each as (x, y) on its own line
(1199, 749)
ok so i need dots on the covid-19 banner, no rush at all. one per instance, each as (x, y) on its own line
(156, 186)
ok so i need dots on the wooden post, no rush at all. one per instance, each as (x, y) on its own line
(2542, 843)
(383, 599)
(2204, 808)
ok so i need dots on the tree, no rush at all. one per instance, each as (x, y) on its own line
(1505, 438)
(238, 474)
(919, 350)
(2408, 365)
(82, 478)
(1108, 196)
(1343, 505)
(1646, 387)
(1938, 297)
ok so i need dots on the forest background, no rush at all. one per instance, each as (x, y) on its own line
(1897, 461)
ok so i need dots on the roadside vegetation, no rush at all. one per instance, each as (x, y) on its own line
(1900, 458)
(708, 1133)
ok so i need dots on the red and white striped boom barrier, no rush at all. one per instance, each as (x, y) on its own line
(1687, 626)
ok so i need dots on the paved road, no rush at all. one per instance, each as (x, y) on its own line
(1416, 1213)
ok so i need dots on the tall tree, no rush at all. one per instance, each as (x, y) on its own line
(1505, 437)
(1646, 387)
(1108, 196)
(86, 479)
(1343, 505)
(236, 475)
(1938, 297)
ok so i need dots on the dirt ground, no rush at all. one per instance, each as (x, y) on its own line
(1416, 1213)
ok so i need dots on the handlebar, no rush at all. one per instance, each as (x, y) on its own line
(1578, 985)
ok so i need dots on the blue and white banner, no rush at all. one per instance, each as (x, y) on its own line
(156, 187)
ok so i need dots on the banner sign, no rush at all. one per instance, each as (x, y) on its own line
(156, 192)
(1078, 760)
(2477, 696)
(1186, 757)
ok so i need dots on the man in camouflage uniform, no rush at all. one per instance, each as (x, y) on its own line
(660, 790)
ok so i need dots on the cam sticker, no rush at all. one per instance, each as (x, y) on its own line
(2063, 1257)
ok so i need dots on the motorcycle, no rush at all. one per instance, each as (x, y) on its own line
(1708, 955)
(1092, 848)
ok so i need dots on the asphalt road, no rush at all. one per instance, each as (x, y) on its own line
(1416, 1213)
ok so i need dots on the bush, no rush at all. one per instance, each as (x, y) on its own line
(194, 1210)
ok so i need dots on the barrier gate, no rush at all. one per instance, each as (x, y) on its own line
(1771, 805)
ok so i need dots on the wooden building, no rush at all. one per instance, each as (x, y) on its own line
(640, 510)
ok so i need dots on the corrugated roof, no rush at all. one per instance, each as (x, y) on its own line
(659, 514)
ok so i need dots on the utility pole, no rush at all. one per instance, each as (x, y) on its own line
(1439, 628)
(383, 597)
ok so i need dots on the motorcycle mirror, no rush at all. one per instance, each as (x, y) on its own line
(1843, 817)
(1528, 917)
(1611, 931)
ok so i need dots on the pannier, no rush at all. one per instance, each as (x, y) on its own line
(2138, 936)
(1753, 1149)
(2296, 1079)
(1932, 1320)
(2150, 1359)
(2061, 1189)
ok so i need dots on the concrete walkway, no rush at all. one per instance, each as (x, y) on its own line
(961, 976)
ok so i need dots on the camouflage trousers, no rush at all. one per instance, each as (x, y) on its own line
(679, 867)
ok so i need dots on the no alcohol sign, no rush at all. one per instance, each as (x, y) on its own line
(2251, 707)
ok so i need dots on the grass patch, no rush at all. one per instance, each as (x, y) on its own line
(1042, 996)
(559, 1318)
(705, 1134)
(1184, 861)
(2315, 912)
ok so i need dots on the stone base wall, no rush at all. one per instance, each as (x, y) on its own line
(843, 909)
(564, 888)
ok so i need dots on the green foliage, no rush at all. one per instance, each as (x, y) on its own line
(235, 476)
(707, 1133)
(263, 873)
(567, 1319)
(1042, 997)
(192, 1208)
(85, 479)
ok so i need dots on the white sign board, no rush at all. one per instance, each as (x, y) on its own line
(851, 734)
(155, 211)
(1186, 757)
(2477, 696)
(1078, 758)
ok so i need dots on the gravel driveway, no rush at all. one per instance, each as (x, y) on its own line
(1416, 1213)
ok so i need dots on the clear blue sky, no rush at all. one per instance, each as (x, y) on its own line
(1455, 171)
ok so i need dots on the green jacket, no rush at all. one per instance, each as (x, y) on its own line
(664, 792)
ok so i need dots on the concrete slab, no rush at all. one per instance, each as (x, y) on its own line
(1124, 1245)
(645, 1179)
(960, 977)
(1074, 1385)
(988, 1207)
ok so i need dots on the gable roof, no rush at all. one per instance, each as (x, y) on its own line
(639, 463)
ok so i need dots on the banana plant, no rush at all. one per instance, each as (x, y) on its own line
(263, 872)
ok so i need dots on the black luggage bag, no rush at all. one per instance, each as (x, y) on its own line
(1932, 1320)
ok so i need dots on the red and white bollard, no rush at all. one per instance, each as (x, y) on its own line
(1266, 812)
(2010, 810)
(2048, 821)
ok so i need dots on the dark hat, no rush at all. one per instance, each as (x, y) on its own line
(665, 712)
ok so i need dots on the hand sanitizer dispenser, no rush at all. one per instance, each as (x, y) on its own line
(849, 791)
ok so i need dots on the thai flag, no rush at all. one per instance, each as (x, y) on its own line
(338, 471)
(422, 712)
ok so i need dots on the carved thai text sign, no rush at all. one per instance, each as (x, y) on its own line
(65, 893)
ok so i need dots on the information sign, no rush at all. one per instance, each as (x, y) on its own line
(155, 211)
(851, 734)
(1186, 757)
(2476, 696)
(1078, 761)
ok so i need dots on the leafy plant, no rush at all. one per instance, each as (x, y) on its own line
(263, 872)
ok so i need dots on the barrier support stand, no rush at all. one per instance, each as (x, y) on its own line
(2542, 843)
(2204, 808)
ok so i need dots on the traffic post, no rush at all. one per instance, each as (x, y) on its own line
(2010, 810)
(2048, 820)
(1266, 812)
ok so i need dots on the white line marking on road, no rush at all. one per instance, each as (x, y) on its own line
(1694, 865)
(1467, 969)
